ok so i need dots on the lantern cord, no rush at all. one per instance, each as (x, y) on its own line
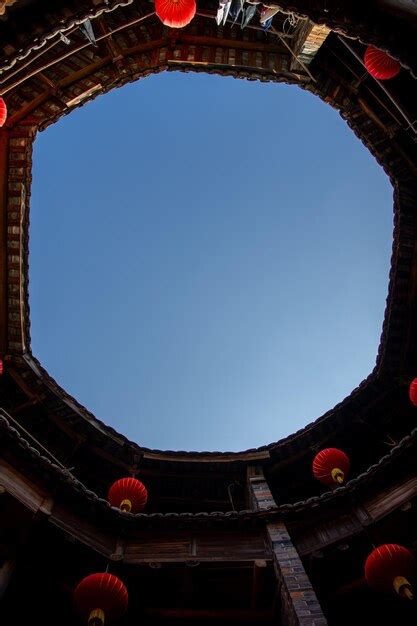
(411, 125)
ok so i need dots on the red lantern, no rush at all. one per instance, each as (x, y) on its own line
(388, 568)
(380, 65)
(175, 13)
(412, 392)
(1, 367)
(100, 597)
(128, 494)
(3, 112)
(331, 466)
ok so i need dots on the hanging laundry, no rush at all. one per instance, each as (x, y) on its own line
(267, 25)
(223, 11)
(267, 13)
(87, 29)
(248, 14)
(64, 39)
(236, 9)
(226, 11)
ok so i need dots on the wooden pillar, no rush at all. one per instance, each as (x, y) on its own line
(299, 603)
(4, 168)
(6, 572)
(18, 191)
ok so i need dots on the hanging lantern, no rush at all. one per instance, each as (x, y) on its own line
(380, 65)
(1, 367)
(175, 13)
(100, 597)
(389, 568)
(412, 392)
(128, 494)
(3, 112)
(331, 466)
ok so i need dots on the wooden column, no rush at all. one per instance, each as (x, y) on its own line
(18, 191)
(299, 603)
(6, 572)
(4, 168)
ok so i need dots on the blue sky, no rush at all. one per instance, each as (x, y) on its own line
(208, 259)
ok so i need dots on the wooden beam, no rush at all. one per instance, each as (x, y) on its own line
(230, 44)
(197, 615)
(351, 587)
(15, 410)
(47, 81)
(207, 546)
(111, 45)
(117, 54)
(259, 569)
(22, 384)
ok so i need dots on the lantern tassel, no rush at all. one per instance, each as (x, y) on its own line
(126, 505)
(96, 618)
(403, 587)
(338, 475)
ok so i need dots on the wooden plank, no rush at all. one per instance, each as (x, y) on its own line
(183, 546)
(389, 500)
(21, 488)
(90, 535)
(328, 533)
(349, 524)
(237, 546)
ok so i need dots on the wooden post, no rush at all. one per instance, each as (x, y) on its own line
(299, 603)
(19, 173)
(4, 168)
(6, 572)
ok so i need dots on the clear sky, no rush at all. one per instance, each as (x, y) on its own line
(208, 259)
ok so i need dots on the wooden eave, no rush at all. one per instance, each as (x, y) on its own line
(53, 478)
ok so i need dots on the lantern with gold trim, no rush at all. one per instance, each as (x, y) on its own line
(99, 598)
(128, 494)
(331, 466)
(390, 568)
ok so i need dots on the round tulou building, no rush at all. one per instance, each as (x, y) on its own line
(318, 528)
